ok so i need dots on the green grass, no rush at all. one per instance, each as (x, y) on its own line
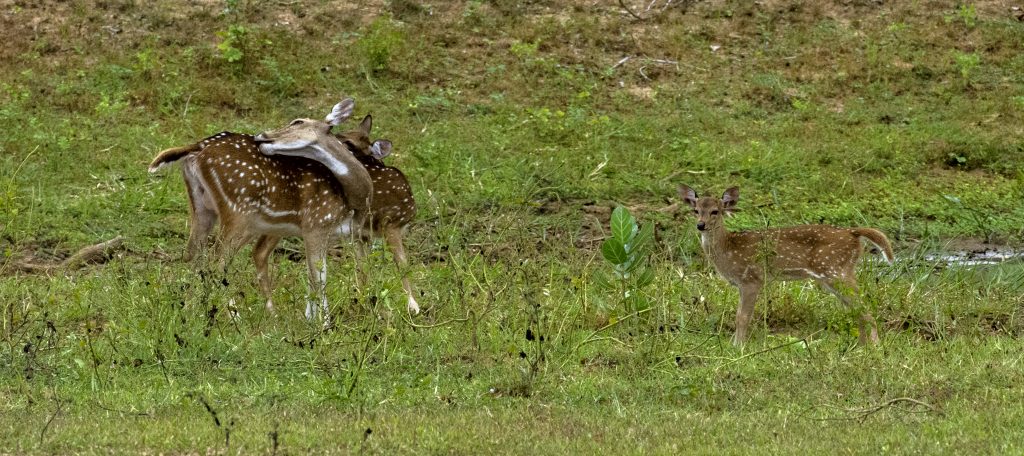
(518, 134)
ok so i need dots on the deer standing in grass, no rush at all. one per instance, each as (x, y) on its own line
(825, 254)
(231, 177)
(393, 205)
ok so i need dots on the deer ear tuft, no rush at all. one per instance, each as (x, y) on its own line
(380, 148)
(688, 195)
(341, 112)
(730, 198)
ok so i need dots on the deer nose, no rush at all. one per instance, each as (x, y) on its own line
(700, 226)
(260, 138)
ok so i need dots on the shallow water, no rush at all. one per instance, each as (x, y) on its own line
(974, 258)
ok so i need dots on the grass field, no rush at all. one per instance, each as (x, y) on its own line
(521, 124)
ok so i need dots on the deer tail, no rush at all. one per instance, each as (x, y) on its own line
(878, 239)
(172, 155)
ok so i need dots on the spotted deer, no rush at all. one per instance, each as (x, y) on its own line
(825, 254)
(232, 177)
(393, 204)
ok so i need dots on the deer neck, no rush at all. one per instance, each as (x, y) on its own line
(333, 154)
(347, 170)
(713, 241)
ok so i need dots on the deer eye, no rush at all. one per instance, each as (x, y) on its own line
(714, 212)
(295, 122)
(696, 211)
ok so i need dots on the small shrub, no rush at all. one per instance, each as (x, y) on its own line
(626, 250)
(968, 14)
(232, 42)
(278, 80)
(378, 46)
(966, 63)
(110, 106)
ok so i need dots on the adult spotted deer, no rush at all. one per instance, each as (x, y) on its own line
(230, 177)
(825, 254)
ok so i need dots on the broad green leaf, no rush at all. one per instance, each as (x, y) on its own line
(623, 225)
(613, 251)
(642, 240)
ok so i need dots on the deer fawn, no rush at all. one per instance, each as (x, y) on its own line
(823, 253)
(393, 204)
(230, 177)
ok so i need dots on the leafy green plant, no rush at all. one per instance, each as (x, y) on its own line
(376, 48)
(626, 250)
(111, 105)
(968, 14)
(231, 43)
(278, 80)
(966, 63)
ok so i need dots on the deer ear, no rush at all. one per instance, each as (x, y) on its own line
(366, 125)
(688, 195)
(341, 112)
(730, 198)
(380, 148)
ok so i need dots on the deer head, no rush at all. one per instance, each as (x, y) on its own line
(358, 141)
(709, 210)
(312, 139)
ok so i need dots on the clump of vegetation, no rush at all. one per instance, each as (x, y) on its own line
(626, 251)
(964, 13)
(379, 44)
(966, 63)
(232, 43)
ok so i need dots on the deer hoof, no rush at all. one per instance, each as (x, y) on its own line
(413, 307)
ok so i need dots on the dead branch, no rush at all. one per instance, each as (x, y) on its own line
(861, 414)
(748, 355)
(93, 254)
(628, 10)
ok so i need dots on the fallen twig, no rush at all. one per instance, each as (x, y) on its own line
(630, 11)
(862, 413)
(593, 336)
(748, 355)
(98, 253)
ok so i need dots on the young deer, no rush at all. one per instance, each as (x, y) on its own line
(823, 253)
(230, 177)
(393, 204)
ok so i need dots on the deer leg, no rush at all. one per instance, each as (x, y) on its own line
(316, 260)
(845, 288)
(232, 240)
(260, 254)
(393, 236)
(361, 259)
(203, 216)
(748, 296)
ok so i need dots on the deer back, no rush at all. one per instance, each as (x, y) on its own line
(806, 251)
(283, 196)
